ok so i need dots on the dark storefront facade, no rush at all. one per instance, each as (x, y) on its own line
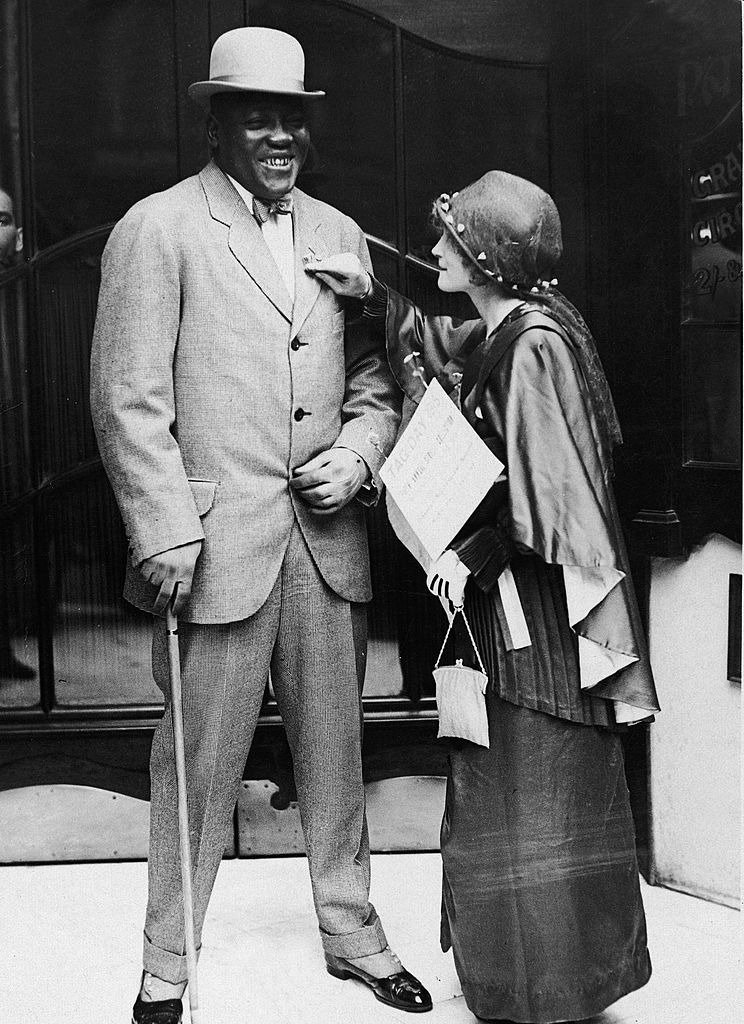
(627, 111)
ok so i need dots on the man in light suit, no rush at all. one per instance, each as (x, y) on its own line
(240, 418)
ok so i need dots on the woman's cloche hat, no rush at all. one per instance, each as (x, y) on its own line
(507, 227)
(254, 60)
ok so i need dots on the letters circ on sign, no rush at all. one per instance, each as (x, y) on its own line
(717, 227)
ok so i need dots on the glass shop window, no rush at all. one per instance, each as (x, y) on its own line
(101, 644)
(19, 678)
(19, 665)
(709, 108)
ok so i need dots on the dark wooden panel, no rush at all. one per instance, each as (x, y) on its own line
(104, 113)
(506, 29)
(224, 15)
(567, 146)
(460, 123)
(192, 41)
(108, 760)
(118, 759)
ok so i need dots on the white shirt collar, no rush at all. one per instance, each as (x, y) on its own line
(278, 234)
(244, 194)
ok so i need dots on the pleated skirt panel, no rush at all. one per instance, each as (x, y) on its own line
(541, 900)
(545, 675)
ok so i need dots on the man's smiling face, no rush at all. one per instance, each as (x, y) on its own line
(260, 140)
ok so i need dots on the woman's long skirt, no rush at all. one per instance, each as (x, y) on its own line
(541, 901)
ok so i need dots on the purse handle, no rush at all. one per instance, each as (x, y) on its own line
(461, 609)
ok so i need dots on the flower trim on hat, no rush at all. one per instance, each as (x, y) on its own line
(442, 206)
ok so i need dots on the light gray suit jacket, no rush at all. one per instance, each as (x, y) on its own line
(200, 362)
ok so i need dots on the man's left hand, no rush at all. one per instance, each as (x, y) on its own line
(330, 480)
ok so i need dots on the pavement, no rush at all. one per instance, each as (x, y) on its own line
(71, 941)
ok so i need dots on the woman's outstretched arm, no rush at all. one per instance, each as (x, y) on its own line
(436, 345)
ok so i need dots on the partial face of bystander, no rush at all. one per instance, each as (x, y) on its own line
(261, 140)
(11, 236)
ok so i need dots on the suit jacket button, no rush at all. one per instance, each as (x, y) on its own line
(295, 345)
(300, 414)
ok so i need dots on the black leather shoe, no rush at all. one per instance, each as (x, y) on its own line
(400, 990)
(159, 1011)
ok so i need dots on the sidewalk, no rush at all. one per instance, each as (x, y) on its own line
(71, 941)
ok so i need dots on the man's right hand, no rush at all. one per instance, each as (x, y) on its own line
(169, 569)
(343, 273)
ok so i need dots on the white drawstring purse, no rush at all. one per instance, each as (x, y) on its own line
(461, 694)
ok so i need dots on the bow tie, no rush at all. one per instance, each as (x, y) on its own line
(262, 209)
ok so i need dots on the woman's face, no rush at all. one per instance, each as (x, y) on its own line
(454, 276)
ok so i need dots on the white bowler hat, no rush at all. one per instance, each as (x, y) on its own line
(254, 60)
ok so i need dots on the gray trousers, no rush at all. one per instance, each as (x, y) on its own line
(315, 644)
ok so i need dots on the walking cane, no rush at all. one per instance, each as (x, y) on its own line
(174, 664)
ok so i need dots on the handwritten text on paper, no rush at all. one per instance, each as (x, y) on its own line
(439, 471)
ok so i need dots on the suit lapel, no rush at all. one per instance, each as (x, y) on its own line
(249, 248)
(307, 286)
(245, 238)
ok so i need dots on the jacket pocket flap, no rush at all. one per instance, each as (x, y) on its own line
(203, 492)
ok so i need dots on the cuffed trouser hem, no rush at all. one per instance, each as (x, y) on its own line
(163, 964)
(368, 939)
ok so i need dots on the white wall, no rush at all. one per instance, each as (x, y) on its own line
(695, 742)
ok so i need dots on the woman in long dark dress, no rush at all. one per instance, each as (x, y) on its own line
(541, 902)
